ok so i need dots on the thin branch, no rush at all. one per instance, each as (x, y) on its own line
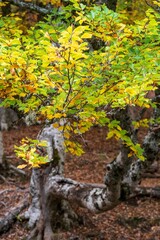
(17, 170)
(156, 8)
(32, 6)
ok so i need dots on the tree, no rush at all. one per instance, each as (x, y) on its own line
(80, 66)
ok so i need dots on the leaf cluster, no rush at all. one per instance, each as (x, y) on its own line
(54, 70)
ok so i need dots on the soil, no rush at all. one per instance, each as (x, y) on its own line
(138, 218)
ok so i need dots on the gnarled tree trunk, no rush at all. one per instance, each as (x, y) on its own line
(53, 194)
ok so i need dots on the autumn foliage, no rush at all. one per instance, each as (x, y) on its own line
(76, 61)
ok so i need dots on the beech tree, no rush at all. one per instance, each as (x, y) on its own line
(80, 65)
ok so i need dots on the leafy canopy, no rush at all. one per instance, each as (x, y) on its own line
(76, 61)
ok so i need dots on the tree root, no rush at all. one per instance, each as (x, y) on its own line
(7, 221)
(148, 191)
(58, 215)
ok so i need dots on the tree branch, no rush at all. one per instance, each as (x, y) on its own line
(96, 198)
(151, 151)
(32, 6)
(156, 8)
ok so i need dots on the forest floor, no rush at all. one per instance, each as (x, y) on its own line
(138, 218)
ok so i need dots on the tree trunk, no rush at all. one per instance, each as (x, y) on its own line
(53, 195)
(48, 212)
(151, 148)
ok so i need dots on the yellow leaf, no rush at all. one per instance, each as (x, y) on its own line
(49, 116)
(21, 61)
(55, 125)
(31, 77)
(86, 35)
(22, 94)
(22, 166)
(146, 105)
(110, 134)
(58, 115)
(130, 154)
(66, 135)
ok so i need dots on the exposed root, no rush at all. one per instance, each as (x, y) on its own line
(7, 221)
(148, 191)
